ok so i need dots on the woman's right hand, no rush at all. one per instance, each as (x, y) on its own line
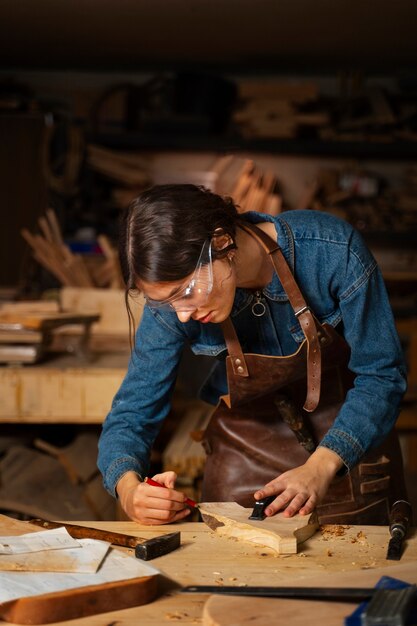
(147, 504)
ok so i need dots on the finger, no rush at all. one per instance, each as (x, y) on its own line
(295, 504)
(279, 503)
(162, 493)
(271, 489)
(156, 516)
(163, 504)
(166, 478)
(309, 506)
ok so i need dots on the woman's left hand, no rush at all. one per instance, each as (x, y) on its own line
(300, 490)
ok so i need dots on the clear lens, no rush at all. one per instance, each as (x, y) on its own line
(197, 291)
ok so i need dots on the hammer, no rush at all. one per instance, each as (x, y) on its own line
(145, 549)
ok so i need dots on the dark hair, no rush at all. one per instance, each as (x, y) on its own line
(163, 230)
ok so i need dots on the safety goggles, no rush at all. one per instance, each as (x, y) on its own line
(196, 292)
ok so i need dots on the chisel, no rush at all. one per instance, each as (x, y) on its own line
(400, 517)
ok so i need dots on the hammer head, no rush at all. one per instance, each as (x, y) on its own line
(158, 546)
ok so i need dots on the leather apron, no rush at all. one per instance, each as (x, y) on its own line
(264, 427)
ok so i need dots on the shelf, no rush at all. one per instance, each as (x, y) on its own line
(403, 150)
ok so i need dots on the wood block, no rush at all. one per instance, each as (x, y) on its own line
(59, 392)
(108, 303)
(281, 534)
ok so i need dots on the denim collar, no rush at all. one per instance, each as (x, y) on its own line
(274, 290)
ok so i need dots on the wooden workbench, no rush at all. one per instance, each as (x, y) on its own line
(355, 558)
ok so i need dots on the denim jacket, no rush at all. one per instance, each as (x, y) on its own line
(343, 286)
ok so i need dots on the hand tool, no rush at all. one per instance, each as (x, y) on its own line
(400, 517)
(188, 501)
(258, 513)
(145, 549)
(296, 421)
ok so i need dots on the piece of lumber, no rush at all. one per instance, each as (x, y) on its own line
(281, 534)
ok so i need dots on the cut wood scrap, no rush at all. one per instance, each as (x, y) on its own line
(229, 177)
(273, 204)
(43, 321)
(183, 454)
(110, 253)
(51, 252)
(125, 168)
(281, 534)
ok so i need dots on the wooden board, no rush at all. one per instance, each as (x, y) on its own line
(235, 611)
(77, 602)
(281, 534)
(58, 392)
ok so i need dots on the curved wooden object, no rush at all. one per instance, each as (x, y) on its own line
(281, 534)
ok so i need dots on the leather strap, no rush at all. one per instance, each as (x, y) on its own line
(234, 348)
(301, 310)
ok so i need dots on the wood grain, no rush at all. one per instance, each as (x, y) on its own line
(281, 534)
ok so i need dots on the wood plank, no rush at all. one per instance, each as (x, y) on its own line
(58, 392)
(281, 534)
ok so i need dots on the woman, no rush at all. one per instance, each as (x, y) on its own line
(285, 304)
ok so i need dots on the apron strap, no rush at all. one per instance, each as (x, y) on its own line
(302, 312)
(234, 348)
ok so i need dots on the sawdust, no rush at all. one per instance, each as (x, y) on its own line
(361, 537)
(330, 531)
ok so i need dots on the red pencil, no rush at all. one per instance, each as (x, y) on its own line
(154, 483)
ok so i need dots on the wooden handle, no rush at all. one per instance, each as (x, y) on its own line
(85, 532)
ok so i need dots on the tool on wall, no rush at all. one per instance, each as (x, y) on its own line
(145, 549)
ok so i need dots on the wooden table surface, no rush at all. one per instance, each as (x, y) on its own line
(336, 556)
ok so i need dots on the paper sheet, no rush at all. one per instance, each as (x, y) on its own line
(55, 539)
(86, 557)
(116, 566)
